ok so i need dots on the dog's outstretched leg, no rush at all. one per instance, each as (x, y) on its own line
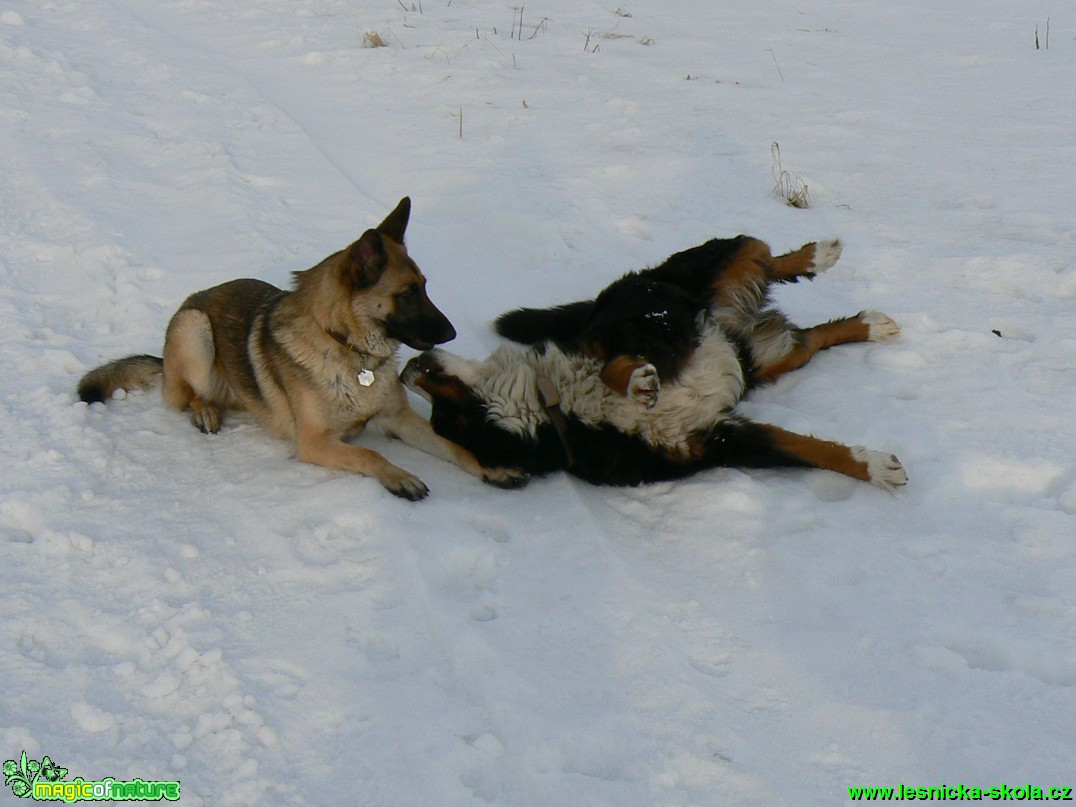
(866, 326)
(739, 442)
(741, 284)
(858, 462)
(406, 424)
(807, 261)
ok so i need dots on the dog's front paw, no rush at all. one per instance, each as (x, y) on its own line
(880, 327)
(508, 478)
(644, 386)
(884, 469)
(826, 254)
(403, 484)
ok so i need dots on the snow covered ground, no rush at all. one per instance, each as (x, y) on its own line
(206, 609)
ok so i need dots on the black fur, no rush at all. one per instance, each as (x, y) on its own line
(605, 455)
(717, 290)
(92, 392)
(416, 321)
(653, 313)
(641, 317)
(650, 314)
(561, 324)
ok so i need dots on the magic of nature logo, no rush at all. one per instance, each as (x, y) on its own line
(45, 780)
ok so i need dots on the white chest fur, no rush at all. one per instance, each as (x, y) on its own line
(708, 387)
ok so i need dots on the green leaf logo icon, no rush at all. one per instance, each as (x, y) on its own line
(21, 775)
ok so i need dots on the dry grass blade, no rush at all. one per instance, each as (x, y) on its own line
(792, 189)
(372, 39)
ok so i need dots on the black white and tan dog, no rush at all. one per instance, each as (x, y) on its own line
(314, 364)
(640, 384)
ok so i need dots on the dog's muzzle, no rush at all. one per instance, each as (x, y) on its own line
(417, 369)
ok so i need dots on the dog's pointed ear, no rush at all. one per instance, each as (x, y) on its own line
(365, 260)
(395, 223)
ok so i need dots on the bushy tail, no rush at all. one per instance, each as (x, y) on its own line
(561, 324)
(132, 372)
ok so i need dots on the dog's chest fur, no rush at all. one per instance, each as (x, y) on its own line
(332, 371)
(353, 401)
(706, 390)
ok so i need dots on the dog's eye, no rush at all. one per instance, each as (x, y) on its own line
(407, 295)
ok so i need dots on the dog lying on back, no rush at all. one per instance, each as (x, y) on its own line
(639, 384)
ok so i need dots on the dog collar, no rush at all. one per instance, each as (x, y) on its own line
(366, 375)
(549, 395)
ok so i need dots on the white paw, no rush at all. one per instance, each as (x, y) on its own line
(826, 254)
(644, 385)
(882, 328)
(885, 469)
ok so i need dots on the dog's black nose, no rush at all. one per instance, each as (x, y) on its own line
(446, 334)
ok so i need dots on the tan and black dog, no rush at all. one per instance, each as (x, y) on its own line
(315, 364)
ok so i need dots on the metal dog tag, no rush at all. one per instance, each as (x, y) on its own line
(366, 377)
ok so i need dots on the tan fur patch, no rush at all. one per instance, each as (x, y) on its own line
(809, 341)
(616, 374)
(742, 283)
(819, 453)
(792, 264)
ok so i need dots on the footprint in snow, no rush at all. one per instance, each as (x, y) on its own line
(488, 526)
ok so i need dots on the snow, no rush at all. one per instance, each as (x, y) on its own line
(178, 606)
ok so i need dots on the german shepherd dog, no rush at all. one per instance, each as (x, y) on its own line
(639, 384)
(315, 364)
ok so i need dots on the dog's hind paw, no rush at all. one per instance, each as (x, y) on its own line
(644, 386)
(205, 417)
(881, 328)
(884, 469)
(507, 478)
(826, 254)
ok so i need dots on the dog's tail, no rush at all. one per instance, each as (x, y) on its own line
(561, 324)
(132, 372)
